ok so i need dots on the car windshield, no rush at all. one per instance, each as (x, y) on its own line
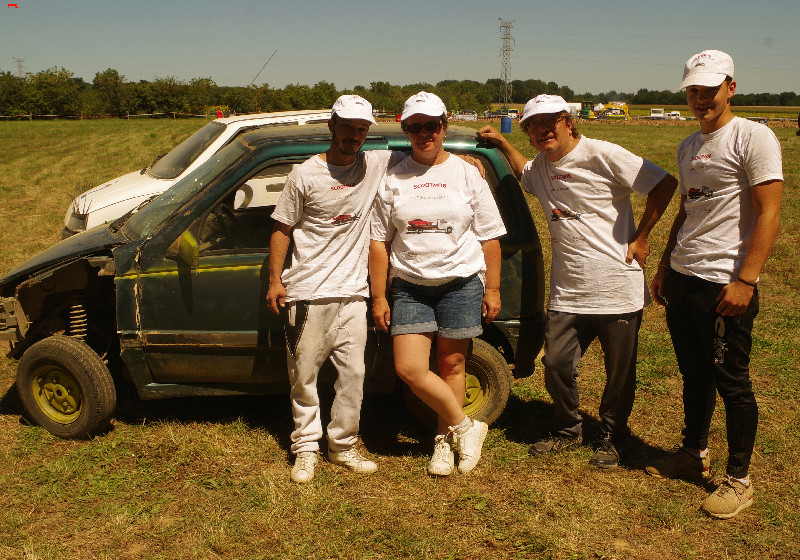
(182, 156)
(146, 220)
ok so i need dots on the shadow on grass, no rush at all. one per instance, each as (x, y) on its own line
(527, 422)
(10, 403)
(387, 427)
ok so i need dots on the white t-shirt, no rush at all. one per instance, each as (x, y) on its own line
(329, 207)
(716, 172)
(586, 198)
(436, 217)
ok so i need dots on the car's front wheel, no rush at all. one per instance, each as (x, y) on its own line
(488, 380)
(65, 387)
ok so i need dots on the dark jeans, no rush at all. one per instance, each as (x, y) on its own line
(713, 354)
(567, 337)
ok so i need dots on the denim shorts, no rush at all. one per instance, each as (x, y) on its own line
(452, 310)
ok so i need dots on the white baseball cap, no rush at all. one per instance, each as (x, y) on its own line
(423, 103)
(544, 104)
(708, 69)
(353, 107)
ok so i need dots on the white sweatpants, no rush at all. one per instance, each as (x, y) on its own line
(316, 330)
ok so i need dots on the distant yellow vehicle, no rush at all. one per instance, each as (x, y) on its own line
(616, 110)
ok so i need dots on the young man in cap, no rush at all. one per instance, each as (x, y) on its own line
(597, 283)
(325, 287)
(731, 184)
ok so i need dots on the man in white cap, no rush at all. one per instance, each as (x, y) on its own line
(731, 183)
(325, 287)
(597, 283)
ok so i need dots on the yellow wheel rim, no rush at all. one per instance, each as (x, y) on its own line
(57, 394)
(476, 395)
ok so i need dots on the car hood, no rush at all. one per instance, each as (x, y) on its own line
(75, 247)
(133, 185)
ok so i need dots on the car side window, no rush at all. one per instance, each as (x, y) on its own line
(241, 221)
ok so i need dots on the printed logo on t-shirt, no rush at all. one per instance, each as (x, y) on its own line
(343, 219)
(341, 187)
(699, 162)
(418, 225)
(559, 214)
(562, 177)
(695, 193)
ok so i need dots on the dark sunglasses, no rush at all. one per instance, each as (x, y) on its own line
(430, 126)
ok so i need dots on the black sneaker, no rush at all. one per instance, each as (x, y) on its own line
(554, 444)
(606, 456)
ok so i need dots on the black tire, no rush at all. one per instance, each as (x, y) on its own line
(66, 388)
(488, 387)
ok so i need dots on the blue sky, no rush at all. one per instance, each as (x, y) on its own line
(612, 45)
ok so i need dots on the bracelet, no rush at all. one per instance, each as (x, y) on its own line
(746, 283)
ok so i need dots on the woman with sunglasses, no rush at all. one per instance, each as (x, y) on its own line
(435, 224)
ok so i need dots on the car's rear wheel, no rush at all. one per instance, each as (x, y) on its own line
(65, 387)
(488, 387)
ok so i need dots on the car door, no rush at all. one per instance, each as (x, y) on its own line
(210, 323)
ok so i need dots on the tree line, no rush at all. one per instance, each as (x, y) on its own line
(56, 91)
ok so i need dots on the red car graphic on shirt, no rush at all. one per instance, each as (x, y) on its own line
(343, 219)
(559, 214)
(418, 225)
(697, 193)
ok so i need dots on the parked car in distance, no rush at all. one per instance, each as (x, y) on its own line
(112, 199)
(170, 299)
(657, 113)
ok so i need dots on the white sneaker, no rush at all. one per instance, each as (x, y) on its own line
(353, 460)
(442, 461)
(469, 444)
(303, 469)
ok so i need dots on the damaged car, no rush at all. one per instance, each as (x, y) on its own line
(170, 298)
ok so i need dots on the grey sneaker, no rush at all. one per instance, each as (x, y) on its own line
(606, 456)
(680, 464)
(469, 444)
(728, 499)
(554, 444)
(353, 460)
(303, 469)
(442, 461)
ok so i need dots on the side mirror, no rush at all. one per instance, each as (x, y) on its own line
(185, 250)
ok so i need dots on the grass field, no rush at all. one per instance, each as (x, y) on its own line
(209, 478)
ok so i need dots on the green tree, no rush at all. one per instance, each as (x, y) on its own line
(323, 94)
(110, 92)
(268, 99)
(239, 99)
(200, 94)
(54, 92)
(14, 94)
(169, 94)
